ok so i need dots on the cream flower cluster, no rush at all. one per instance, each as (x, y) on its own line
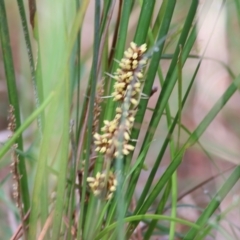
(114, 140)
(130, 71)
(99, 184)
(129, 83)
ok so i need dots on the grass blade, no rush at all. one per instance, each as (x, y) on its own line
(6, 147)
(144, 21)
(13, 100)
(145, 217)
(91, 106)
(215, 202)
(36, 78)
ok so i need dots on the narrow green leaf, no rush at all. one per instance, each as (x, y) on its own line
(6, 147)
(145, 217)
(13, 100)
(90, 117)
(213, 113)
(60, 200)
(36, 76)
(159, 211)
(215, 202)
(119, 50)
(144, 21)
(155, 192)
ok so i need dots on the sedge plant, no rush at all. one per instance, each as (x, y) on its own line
(77, 175)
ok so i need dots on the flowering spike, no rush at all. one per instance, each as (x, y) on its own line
(127, 91)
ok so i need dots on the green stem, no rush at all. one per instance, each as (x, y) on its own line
(36, 76)
(120, 46)
(91, 106)
(13, 100)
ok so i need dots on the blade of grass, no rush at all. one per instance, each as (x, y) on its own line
(119, 49)
(70, 200)
(104, 36)
(144, 21)
(75, 34)
(72, 175)
(179, 64)
(6, 147)
(78, 74)
(212, 113)
(215, 223)
(115, 34)
(39, 95)
(77, 25)
(55, 55)
(104, 18)
(41, 167)
(156, 190)
(59, 206)
(145, 217)
(42, 164)
(159, 211)
(13, 100)
(215, 202)
(36, 78)
(159, 19)
(88, 219)
(172, 150)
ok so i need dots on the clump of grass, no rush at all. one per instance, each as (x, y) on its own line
(82, 180)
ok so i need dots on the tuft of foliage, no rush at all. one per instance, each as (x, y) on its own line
(78, 173)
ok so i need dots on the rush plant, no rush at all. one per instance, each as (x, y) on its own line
(76, 176)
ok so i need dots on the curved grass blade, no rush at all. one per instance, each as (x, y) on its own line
(145, 217)
(6, 147)
(213, 113)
